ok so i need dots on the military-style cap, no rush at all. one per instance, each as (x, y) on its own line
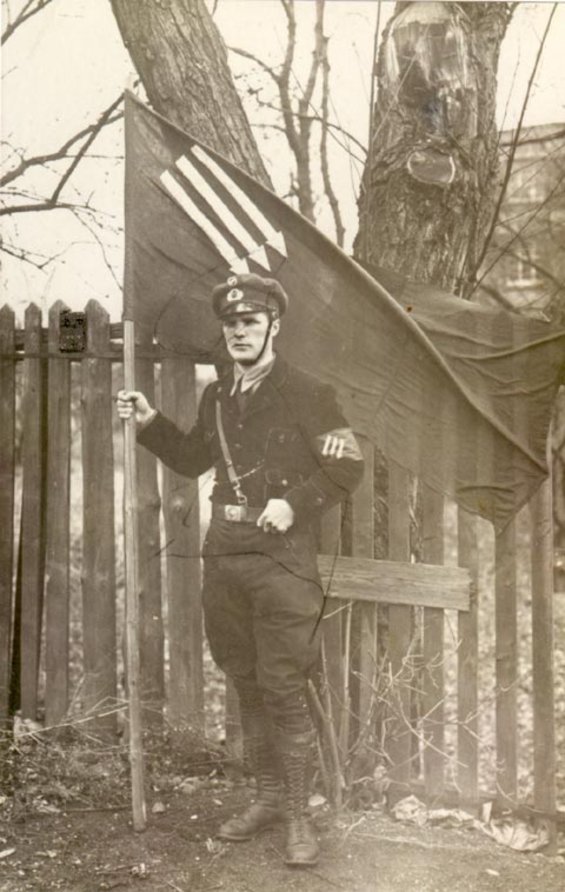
(249, 293)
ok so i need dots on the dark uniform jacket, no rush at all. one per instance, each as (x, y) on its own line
(290, 441)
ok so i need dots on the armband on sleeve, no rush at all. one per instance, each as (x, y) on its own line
(339, 444)
(340, 468)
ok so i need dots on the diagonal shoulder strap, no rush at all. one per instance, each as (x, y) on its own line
(232, 476)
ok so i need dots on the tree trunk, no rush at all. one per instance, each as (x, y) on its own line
(430, 181)
(182, 62)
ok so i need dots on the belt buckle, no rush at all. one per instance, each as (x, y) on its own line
(235, 513)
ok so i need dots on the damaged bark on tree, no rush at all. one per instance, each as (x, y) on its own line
(431, 177)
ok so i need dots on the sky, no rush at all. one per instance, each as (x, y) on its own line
(68, 63)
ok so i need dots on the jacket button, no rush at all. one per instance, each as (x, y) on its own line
(237, 445)
(284, 482)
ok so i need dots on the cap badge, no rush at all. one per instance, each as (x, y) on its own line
(232, 281)
(234, 294)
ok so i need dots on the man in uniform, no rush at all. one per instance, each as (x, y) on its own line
(283, 453)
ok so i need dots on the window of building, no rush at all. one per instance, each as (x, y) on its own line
(525, 273)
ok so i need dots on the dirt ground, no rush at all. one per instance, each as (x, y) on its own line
(87, 849)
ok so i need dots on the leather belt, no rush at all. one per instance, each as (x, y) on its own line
(236, 513)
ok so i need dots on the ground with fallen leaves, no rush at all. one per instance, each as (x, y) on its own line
(65, 823)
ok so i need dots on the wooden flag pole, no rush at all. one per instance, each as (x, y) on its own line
(132, 589)
(131, 538)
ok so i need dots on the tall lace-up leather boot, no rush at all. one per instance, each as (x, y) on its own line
(296, 755)
(266, 810)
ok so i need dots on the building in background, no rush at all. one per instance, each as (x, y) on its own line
(529, 241)
(529, 272)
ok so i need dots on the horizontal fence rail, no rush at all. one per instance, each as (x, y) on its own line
(406, 640)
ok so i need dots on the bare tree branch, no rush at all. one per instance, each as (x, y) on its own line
(286, 4)
(284, 79)
(308, 91)
(333, 129)
(303, 165)
(28, 10)
(57, 155)
(297, 128)
(53, 201)
(102, 121)
(46, 205)
(278, 127)
(339, 129)
(526, 212)
(35, 258)
(520, 232)
(513, 148)
(90, 228)
(530, 140)
(22, 255)
(253, 58)
(298, 119)
(543, 271)
(328, 188)
(534, 166)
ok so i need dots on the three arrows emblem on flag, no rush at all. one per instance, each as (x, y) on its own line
(210, 189)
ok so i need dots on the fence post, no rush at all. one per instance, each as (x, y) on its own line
(542, 655)
(467, 665)
(400, 632)
(98, 578)
(363, 545)
(33, 540)
(468, 466)
(7, 478)
(506, 653)
(506, 663)
(151, 636)
(332, 649)
(182, 530)
(433, 650)
(57, 560)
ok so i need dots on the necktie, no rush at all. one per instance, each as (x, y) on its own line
(240, 396)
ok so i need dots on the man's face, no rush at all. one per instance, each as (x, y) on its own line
(245, 335)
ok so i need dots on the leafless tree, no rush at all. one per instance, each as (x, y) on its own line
(428, 190)
(61, 162)
(299, 110)
(432, 164)
(13, 22)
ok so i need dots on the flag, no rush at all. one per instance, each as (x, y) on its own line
(457, 393)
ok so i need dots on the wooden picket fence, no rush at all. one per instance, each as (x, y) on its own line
(402, 674)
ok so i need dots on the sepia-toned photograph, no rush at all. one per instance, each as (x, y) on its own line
(282, 446)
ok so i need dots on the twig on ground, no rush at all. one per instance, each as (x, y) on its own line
(99, 808)
(116, 869)
(177, 888)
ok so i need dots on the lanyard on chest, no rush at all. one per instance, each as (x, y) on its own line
(232, 475)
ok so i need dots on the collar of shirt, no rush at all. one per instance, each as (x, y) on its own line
(251, 377)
